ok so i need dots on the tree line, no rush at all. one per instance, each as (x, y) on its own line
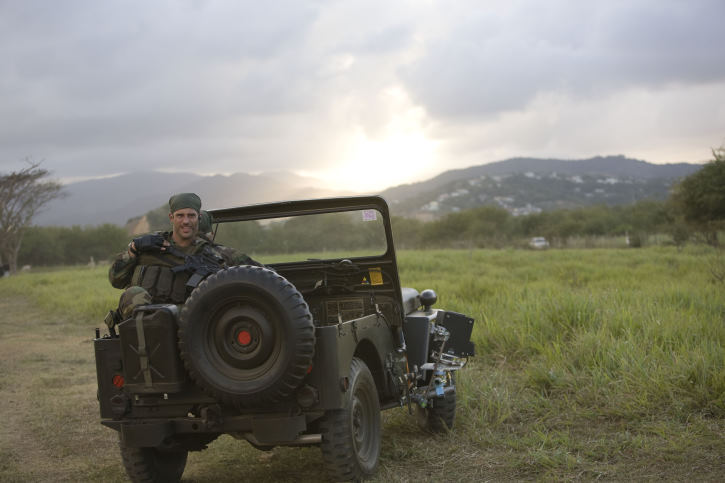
(484, 227)
(56, 245)
(306, 234)
(494, 227)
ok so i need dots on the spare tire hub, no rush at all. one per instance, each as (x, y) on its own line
(244, 336)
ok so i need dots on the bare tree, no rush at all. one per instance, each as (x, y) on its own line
(22, 195)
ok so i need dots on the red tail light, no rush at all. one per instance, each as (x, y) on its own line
(118, 381)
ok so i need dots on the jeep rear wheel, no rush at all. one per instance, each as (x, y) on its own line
(246, 336)
(351, 435)
(151, 465)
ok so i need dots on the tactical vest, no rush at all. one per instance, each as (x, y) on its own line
(159, 273)
(154, 273)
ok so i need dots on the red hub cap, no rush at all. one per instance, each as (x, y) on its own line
(244, 337)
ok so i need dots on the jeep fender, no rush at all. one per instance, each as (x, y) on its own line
(368, 338)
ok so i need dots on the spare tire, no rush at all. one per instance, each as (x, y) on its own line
(246, 336)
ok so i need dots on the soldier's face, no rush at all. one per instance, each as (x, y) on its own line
(185, 224)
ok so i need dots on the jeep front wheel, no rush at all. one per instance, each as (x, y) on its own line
(351, 435)
(246, 336)
(441, 413)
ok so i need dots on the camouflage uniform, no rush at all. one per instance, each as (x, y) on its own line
(131, 298)
(153, 271)
(161, 276)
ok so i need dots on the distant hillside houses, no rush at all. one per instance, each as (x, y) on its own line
(530, 192)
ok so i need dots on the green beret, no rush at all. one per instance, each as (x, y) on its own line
(184, 200)
(205, 221)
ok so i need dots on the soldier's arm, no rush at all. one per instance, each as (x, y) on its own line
(233, 257)
(242, 259)
(121, 270)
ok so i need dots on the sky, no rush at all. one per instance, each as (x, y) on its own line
(361, 95)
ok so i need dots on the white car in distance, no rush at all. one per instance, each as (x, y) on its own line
(539, 243)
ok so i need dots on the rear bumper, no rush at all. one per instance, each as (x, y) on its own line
(268, 429)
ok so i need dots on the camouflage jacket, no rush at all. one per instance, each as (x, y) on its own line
(163, 273)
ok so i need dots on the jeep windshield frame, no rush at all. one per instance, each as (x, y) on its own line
(300, 208)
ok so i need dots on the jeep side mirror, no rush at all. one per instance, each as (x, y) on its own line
(428, 297)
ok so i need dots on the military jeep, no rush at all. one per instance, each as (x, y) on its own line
(307, 350)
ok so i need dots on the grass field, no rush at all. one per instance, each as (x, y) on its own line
(591, 364)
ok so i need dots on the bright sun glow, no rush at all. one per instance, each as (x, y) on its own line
(373, 165)
(398, 153)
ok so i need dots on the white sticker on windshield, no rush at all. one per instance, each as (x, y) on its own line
(369, 215)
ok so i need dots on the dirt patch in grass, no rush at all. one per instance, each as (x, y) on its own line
(50, 415)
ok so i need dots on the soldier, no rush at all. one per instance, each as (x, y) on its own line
(168, 265)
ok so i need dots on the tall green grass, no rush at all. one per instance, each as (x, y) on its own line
(79, 294)
(625, 332)
(621, 333)
(585, 357)
(590, 363)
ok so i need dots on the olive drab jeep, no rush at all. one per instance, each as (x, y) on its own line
(306, 350)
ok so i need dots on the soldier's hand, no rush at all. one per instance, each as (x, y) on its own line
(148, 244)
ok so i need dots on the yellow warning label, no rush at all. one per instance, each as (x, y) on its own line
(376, 276)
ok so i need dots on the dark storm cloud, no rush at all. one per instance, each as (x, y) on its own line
(117, 74)
(96, 88)
(492, 62)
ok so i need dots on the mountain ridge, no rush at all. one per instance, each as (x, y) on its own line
(531, 185)
(520, 185)
(120, 198)
(618, 165)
